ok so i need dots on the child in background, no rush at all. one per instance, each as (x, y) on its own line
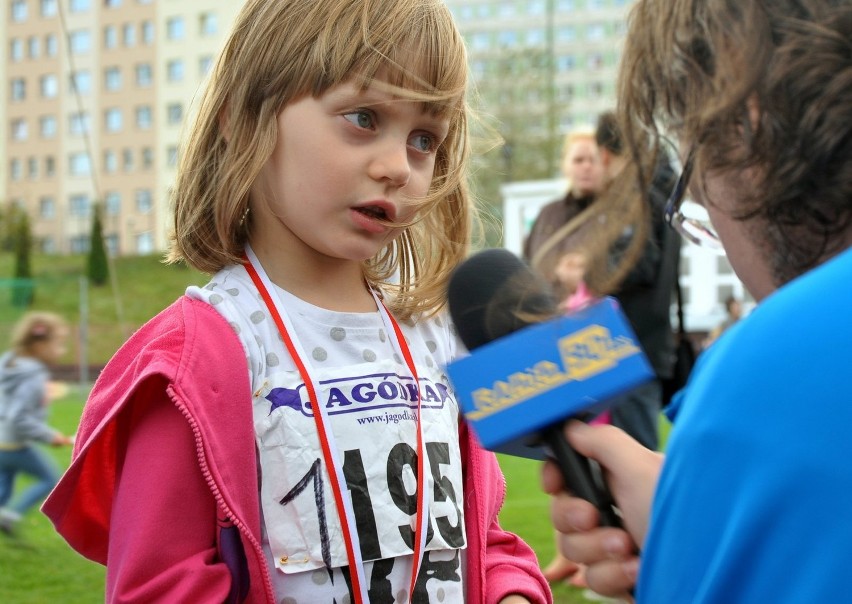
(569, 272)
(38, 341)
(287, 433)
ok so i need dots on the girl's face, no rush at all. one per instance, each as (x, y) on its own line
(344, 165)
(51, 350)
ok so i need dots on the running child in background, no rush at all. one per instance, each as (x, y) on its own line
(38, 341)
(287, 433)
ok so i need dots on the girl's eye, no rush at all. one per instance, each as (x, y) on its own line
(425, 143)
(361, 118)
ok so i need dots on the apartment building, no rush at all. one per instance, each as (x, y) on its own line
(582, 39)
(97, 94)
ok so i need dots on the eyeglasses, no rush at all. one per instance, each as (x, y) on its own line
(687, 217)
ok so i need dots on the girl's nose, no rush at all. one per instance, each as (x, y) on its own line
(391, 164)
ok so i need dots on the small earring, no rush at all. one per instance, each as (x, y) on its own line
(244, 216)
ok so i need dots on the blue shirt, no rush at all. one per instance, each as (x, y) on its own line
(754, 503)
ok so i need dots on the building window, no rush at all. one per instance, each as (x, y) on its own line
(47, 208)
(129, 34)
(596, 90)
(51, 45)
(144, 119)
(723, 292)
(144, 201)
(79, 244)
(175, 29)
(127, 159)
(507, 38)
(172, 156)
(596, 31)
(48, 8)
(567, 33)
(20, 131)
(174, 113)
(112, 203)
(49, 166)
(113, 120)
(208, 24)
(565, 62)
(81, 81)
(111, 244)
(112, 78)
(15, 169)
(144, 77)
(79, 6)
(18, 89)
(110, 37)
(147, 157)
(536, 37)
(110, 161)
(174, 70)
(723, 266)
(48, 86)
(16, 49)
(47, 126)
(79, 164)
(19, 10)
(481, 40)
(78, 206)
(145, 243)
(147, 32)
(80, 41)
(112, 3)
(204, 65)
(79, 123)
(32, 168)
(33, 47)
(595, 61)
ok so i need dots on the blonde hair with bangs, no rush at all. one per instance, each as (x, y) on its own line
(277, 53)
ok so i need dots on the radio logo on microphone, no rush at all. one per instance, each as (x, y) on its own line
(593, 350)
(584, 354)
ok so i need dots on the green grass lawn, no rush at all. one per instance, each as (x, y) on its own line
(38, 566)
(142, 286)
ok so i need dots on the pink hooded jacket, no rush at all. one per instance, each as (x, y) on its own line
(163, 485)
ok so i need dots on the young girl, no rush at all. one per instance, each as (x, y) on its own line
(287, 433)
(38, 340)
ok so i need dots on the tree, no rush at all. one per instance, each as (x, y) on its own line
(23, 290)
(517, 103)
(98, 268)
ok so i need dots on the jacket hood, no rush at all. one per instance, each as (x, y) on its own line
(15, 369)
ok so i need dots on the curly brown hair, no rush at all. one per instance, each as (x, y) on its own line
(757, 86)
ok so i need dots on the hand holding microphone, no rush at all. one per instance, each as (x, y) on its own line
(531, 369)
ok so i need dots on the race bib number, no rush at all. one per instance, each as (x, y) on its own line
(372, 410)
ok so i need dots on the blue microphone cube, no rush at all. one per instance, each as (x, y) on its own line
(513, 387)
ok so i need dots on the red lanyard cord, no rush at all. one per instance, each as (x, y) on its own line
(356, 573)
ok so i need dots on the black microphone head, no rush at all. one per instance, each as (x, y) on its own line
(494, 293)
